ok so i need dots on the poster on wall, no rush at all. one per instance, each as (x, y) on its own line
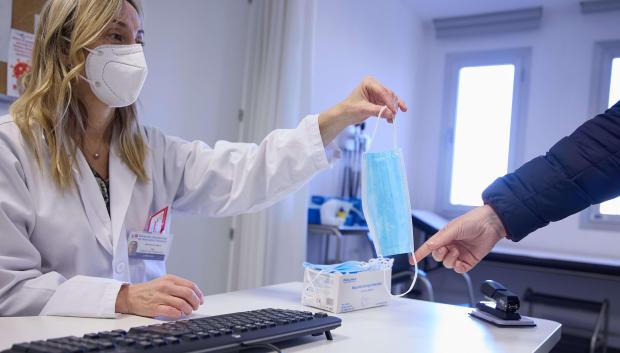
(19, 60)
(5, 28)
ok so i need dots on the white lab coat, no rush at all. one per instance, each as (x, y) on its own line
(62, 254)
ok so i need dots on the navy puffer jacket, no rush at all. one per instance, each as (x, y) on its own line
(580, 170)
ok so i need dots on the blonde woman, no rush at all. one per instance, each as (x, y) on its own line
(79, 174)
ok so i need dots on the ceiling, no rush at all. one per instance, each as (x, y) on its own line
(429, 9)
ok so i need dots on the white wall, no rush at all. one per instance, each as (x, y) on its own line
(354, 39)
(558, 102)
(196, 56)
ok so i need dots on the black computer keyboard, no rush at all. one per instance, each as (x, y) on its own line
(222, 333)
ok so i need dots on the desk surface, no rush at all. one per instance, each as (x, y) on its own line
(402, 325)
(561, 261)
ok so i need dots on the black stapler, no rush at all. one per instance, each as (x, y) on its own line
(502, 309)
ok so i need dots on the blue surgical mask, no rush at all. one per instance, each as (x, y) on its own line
(385, 200)
(347, 267)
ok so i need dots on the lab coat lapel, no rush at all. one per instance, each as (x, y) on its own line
(122, 182)
(93, 202)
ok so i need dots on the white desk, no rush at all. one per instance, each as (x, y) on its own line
(404, 325)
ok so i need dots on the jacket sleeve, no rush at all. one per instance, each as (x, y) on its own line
(234, 178)
(580, 170)
(24, 289)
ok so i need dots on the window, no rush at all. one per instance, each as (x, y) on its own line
(612, 207)
(478, 117)
(606, 94)
(614, 87)
(483, 105)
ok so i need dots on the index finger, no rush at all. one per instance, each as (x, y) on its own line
(422, 252)
(442, 238)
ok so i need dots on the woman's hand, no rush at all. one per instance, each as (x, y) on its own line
(365, 101)
(168, 296)
(465, 240)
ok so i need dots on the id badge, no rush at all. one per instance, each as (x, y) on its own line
(148, 246)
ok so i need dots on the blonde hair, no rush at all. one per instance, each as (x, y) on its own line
(50, 113)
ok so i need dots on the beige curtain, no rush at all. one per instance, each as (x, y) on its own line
(270, 246)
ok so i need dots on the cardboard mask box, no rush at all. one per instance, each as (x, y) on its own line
(339, 293)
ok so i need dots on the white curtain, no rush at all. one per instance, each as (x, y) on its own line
(270, 246)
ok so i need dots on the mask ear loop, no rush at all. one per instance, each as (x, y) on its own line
(319, 273)
(415, 278)
(374, 131)
(389, 269)
(312, 281)
(394, 132)
(415, 271)
(96, 83)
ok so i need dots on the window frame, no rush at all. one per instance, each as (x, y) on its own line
(604, 54)
(521, 59)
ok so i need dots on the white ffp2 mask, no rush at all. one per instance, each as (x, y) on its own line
(116, 73)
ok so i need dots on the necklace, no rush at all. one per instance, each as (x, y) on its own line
(96, 155)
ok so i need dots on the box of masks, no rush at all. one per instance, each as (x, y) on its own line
(348, 286)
